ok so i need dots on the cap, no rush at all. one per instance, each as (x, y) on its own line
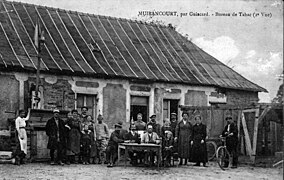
(196, 116)
(229, 117)
(154, 115)
(56, 111)
(173, 113)
(168, 132)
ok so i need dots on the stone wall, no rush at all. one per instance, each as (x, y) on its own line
(114, 104)
(195, 98)
(56, 93)
(235, 97)
(158, 104)
(9, 98)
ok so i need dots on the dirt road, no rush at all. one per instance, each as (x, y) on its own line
(97, 172)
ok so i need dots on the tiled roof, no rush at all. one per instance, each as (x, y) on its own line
(100, 46)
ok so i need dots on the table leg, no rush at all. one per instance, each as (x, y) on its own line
(118, 155)
(126, 153)
(159, 158)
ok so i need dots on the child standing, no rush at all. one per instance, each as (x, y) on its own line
(166, 127)
(167, 145)
(86, 144)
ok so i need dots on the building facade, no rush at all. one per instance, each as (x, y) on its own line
(115, 67)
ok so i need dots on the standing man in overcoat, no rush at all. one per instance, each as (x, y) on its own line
(56, 132)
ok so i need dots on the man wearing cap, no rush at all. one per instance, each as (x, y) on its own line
(156, 126)
(102, 135)
(173, 125)
(56, 132)
(112, 152)
(133, 137)
(123, 132)
(173, 122)
(231, 134)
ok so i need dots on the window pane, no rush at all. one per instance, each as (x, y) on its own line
(165, 114)
(90, 101)
(165, 108)
(138, 100)
(80, 100)
(165, 104)
(174, 106)
(139, 104)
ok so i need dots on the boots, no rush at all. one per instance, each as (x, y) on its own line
(68, 159)
(180, 161)
(17, 160)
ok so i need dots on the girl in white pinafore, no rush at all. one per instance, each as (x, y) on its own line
(21, 136)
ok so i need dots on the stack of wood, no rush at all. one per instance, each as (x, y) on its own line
(6, 154)
(6, 157)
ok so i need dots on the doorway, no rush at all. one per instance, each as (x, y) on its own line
(89, 101)
(139, 104)
(170, 106)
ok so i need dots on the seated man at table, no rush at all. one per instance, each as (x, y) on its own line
(133, 137)
(111, 152)
(151, 138)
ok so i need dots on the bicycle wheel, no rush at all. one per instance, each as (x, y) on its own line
(221, 155)
(211, 150)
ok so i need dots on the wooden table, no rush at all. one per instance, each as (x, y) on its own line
(139, 147)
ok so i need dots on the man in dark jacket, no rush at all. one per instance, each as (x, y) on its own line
(56, 132)
(156, 126)
(231, 134)
(174, 122)
(111, 152)
(133, 137)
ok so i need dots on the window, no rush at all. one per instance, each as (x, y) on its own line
(170, 106)
(139, 104)
(88, 101)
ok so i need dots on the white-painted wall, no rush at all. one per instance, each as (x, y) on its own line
(21, 77)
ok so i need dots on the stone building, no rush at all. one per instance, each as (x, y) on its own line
(116, 67)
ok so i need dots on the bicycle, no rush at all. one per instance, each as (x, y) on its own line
(222, 153)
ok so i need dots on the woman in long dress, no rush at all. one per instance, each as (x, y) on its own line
(199, 150)
(183, 137)
(21, 136)
(74, 137)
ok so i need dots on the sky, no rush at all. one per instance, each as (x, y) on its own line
(251, 45)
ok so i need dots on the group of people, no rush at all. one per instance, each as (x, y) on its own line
(82, 140)
(182, 139)
(79, 140)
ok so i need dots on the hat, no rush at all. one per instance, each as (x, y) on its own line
(229, 117)
(118, 125)
(168, 132)
(154, 115)
(55, 110)
(173, 113)
(197, 115)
